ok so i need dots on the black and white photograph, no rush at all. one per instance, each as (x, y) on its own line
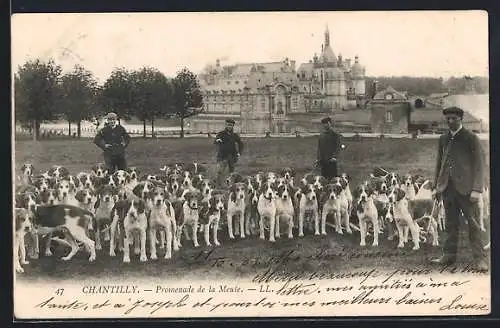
(250, 164)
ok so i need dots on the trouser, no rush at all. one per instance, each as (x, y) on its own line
(224, 167)
(453, 202)
(328, 169)
(115, 162)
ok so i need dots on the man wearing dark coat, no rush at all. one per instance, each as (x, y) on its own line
(459, 182)
(113, 139)
(229, 150)
(329, 146)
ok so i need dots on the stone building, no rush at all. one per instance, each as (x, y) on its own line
(390, 111)
(278, 96)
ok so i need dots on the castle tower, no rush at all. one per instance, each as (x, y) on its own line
(358, 74)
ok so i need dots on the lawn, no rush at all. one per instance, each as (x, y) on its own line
(242, 258)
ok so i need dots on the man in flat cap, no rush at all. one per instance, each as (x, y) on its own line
(113, 139)
(229, 149)
(329, 146)
(459, 182)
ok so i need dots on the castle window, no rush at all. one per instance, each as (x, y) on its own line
(236, 82)
(228, 82)
(388, 116)
(262, 102)
(295, 103)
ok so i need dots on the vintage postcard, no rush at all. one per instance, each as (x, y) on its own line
(253, 164)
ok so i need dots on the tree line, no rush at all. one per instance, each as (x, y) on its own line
(43, 93)
(424, 86)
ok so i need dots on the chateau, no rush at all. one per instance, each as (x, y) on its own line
(277, 96)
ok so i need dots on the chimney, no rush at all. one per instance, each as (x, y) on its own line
(292, 65)
(217, 63)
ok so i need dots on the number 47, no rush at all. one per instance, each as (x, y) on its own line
(59, 291)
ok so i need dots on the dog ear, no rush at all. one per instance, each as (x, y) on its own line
(400, 193)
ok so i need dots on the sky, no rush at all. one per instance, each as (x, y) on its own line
(414, 43)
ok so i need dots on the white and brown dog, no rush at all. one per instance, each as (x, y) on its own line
(267, 209)
(66, 193)
(331, 204)
(403, 218)
(73, 221)
(162, 218)
(99, 170)
(284, 209)
(106, 199)
(366, 212)
(236, 208)
(344, 206)
(135, 222)
(23, 225)
(188, 217)
(27, 172)
(210, 216)
(308, 207)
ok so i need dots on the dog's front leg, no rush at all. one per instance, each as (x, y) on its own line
(290, 227)
(324, 215)
(17, 250)
(22, 250)
(127, 244)
(400, 235)
(277, 232)
(362, 231)
(206, 233)
(152, 242)
(346, 222)
(316, 222)
(195, 233)
(36, 244)
(215, 231)
(112, 240)
(169, 240)
(230, 225)
(143, 234)
(48, 243)
(242, 224)
(272, 227)
(261, 224)
(301, 223)
(415, 233)
(98, 245)
(375, 231)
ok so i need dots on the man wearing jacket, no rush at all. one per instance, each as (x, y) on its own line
(329, 146)
(459, 182)
(113, 139)
(230, 147)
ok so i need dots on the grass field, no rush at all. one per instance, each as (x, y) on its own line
(245, 257)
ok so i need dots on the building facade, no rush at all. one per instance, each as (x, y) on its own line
(277, 96)
(390, 112)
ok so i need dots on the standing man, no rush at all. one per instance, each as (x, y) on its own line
(230, 147)
(329, 145)
(113, 139)
(459, 182)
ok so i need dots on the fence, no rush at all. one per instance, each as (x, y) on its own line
(62, 133)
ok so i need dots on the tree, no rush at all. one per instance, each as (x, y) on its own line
(36, 93)
(150, 96)
(79, 89)
(187, 97)
(116, 93)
